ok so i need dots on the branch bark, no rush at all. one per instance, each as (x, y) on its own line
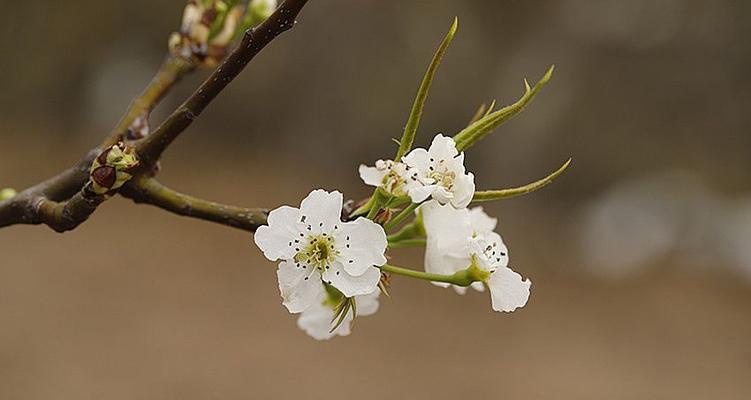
(170, 72)
(65, 200)
(150, 191)
(252, 42)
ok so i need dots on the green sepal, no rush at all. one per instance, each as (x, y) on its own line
(488, 195)
(478, 129)
(413, 122)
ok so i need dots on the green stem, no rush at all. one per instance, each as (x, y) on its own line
(419, 242)
(409, 231)
(460, 278)
(409, 210)
(364, 208)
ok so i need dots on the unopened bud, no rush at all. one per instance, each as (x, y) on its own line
(261, 9)
(7, 193)
(113, 168)
(383, 216)
(207, 30)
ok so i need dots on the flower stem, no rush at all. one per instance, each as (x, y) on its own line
(460, 278)
(419, 242)
(409, 231)
(406, 212)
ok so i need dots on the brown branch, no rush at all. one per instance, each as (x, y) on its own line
(253, 41)
(149, 191)
(65, 200)
(170, 72)
(60, 216)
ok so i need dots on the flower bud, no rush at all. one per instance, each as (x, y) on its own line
(209, 26)
(383, 216)
(112, 168)
(7, 193)
(259, 10)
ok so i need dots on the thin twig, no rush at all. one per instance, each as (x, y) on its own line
(170, 72)
(150, 191)
(63, 201)
(252, 42)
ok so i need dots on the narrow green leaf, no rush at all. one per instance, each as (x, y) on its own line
(481, 112)
(488, 195)
(477, 130)
(490, 109)
(410, 130)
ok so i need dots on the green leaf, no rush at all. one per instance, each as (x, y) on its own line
(488, 195)
(413, 122)
(477, 130)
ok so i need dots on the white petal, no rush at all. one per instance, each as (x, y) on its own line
(508, 291)
(316, 322)
(443, 148)
(367, 304)
(449, 226)
(300, 288)
(322, 207)
(464, 190)
(478, 286)
(480, 221)
(275, 238)
(350, 285)
(372, 176)
(419, 194)
(361, 245)
(443, 260)
(418, 158)
(443, 196)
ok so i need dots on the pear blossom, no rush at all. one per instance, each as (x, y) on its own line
(316, 319)
(391, 176)
(441, 171)
(437, 173)
(315, 246)
(457, 239)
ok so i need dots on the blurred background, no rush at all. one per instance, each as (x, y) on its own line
(639, 254)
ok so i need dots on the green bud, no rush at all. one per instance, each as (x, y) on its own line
(7, 193)
(113, 168)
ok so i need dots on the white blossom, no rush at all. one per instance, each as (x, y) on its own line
(314, 245)
(437, 172)
(440, 171)
(457, 238)
(391, 176)
(316, 320)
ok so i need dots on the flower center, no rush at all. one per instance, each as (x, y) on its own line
(319, 252)
(443, 178)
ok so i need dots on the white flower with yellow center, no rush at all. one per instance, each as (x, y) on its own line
(316, 320)
(391, 176)
(437, 172)
(314, 245)
(441, 174)
(458, 239)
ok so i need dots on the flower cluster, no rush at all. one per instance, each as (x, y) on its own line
(436, 173)
(332, 260)
(209, 26)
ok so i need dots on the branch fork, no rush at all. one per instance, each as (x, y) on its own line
(66, 200)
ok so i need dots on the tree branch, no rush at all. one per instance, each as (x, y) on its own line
(170, 72)
(253, 41)
(150, 191)
(66, 200)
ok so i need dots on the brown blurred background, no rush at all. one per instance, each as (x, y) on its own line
(639, 254)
